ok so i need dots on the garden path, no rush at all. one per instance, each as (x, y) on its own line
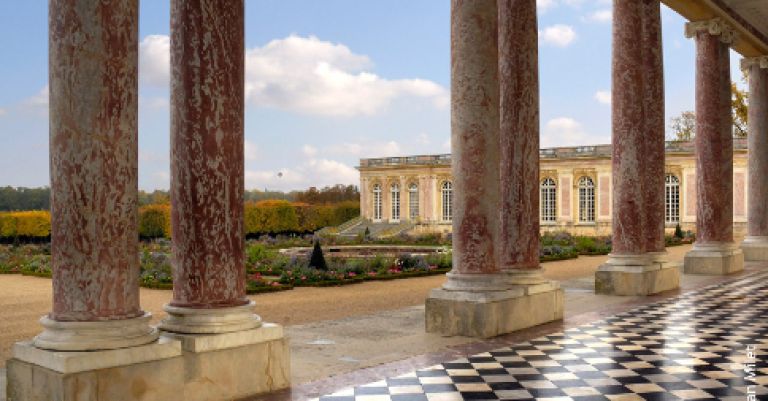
(23, 300)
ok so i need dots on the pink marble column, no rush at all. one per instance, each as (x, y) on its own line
(755, 246)
(519, 137)
(629, 130)
(207, 168)
(475, 144)
(93, 82)
(653, 171)
(714, 140)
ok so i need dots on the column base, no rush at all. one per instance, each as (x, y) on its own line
(714, 259)
(94, 336)
(629, 275)
(210, 321)
(487, 314)
(177, 367)
(755, 248)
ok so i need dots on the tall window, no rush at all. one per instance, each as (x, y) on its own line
(672, 199)
(395, 202)
(377, 202)
(447, 192)
(586, 200)
(413, 202)
(548, 200)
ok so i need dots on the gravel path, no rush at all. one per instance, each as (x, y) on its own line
(23, 300)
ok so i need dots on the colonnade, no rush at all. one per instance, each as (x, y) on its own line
(496, 282)
(211, 332)
(496, 285)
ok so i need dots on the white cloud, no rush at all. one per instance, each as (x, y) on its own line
(605, 15)
(365, 149)
(305, 75)
(558, 35)
(333, 171)
(544, 5)
(3, 112)
(309, 150)
(154, 102)
(281, 179)
(163, 176)
(318, 172)
(251, 151)
(565, 131)
(151, 156)
(155, 60)
(40, 99)
(603, 97)
(311, 76)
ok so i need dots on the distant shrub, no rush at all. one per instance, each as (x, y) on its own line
(155, 221)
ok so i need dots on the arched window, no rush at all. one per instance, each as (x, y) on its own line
(548, 200)
(395, 190)
(672, 199)
(377, 202)
(413, 201)
(447, 192)
(586, 200)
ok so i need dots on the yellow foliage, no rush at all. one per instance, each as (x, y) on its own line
(155, 221)
(29, 224)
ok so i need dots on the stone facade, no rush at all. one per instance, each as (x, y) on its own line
(565, 166)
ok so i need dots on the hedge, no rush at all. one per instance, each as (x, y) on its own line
(265, 217)
(31, 224)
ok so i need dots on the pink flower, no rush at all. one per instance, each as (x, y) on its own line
(352, 274)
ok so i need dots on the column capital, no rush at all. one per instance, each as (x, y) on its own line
(748, 62)
(715, 26)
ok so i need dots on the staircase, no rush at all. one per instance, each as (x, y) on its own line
(376, 230)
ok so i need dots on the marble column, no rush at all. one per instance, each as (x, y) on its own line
(475, 145)
(755, 245)
(494, 286)
(636, 264)
(655, 131)
(93, 82)
(714, 251)
(628, 157)
(519, 141)
(207, 168)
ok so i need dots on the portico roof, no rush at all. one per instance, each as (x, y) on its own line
(748, 17)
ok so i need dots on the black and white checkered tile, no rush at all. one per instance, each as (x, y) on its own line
(711, 344)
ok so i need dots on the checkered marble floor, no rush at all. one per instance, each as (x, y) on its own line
(710, 344)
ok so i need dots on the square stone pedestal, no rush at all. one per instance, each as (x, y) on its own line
(755, 249)
(492, 313)
(211, 367)
(720, 259)
(650, 279)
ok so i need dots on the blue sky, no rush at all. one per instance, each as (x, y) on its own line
(331, 81)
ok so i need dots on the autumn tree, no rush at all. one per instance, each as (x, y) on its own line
(684, 126)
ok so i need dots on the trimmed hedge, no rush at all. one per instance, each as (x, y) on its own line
(265, 217)
(31, 224)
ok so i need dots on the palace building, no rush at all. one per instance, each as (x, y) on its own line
(416, 192)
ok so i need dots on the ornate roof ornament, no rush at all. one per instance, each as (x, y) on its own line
(715, 26)
(748, 62)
